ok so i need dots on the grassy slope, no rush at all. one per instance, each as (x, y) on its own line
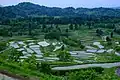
(84, 34)
(14, 68)
(108, 74)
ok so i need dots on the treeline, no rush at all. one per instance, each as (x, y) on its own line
(52, 25)
(61, 20)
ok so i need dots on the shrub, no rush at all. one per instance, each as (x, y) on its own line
(2, 45)
(84, 75)
(64, 56)
(117, 48)
(44, 67)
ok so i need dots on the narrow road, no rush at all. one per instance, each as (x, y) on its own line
(103, 65)
(5, 77)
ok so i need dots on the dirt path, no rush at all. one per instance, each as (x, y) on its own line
(103, 65)
(4, 75)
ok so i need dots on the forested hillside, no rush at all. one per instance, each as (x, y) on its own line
(29, 9)
(51, 43)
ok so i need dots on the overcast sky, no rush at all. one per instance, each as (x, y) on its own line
(67, 3)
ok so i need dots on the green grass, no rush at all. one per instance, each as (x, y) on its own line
(15, 68)
(109, 74)
(105, 57)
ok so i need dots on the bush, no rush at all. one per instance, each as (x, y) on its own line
(98, 69)
(117, 48)
(2, 45)
(64, 56)
(53, 35)
(84, 75)
(69, 42)
(44, 67)
(117, 31)
(82, 46)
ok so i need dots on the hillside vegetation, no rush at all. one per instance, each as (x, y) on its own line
(26, 9)
(50, 43)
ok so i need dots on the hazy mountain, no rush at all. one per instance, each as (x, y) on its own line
(116, 7)
(1, 6)
(29, 9)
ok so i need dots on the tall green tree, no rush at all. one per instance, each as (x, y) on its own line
(30, 29)
(111, 34)
(64, 55)
(71, 27)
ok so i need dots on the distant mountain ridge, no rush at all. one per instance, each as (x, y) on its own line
(29, 9)
(116, 7)
(1, 6)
